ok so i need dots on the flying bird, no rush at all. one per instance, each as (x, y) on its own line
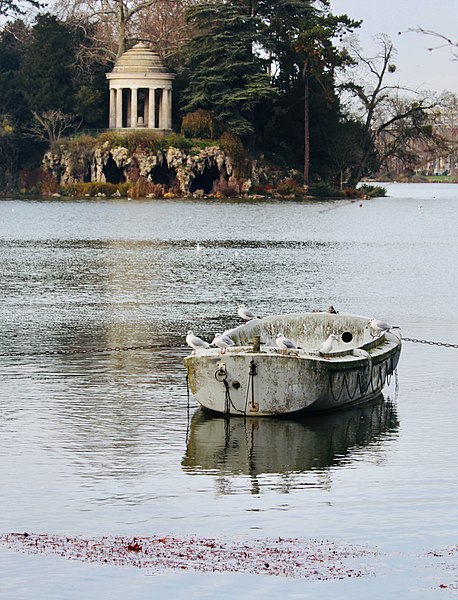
(222, 341)
(196, 342)
(246, 314)
(284, 343)
(327, 346)
(378, 327)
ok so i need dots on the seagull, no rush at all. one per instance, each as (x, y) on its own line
(327, 345)
(284, 343)
(195, 342)
(378, 327)
(222, 341)
(245, 313)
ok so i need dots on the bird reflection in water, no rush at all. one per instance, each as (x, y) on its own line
(291, 448)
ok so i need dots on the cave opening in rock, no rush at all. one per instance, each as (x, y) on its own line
(87, 173)
(113, 174)
(162, 174)
(206, 180)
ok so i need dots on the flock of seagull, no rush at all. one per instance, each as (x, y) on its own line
(223, 340)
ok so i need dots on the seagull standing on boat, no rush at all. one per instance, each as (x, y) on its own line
(378, 327)
(327, 346)
(196, 342)
(245, 313)
(222, 341)
(284, 343)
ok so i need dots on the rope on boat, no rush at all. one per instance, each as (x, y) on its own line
(380, 379)
(221, 375)
(228, 401)
(253, 371)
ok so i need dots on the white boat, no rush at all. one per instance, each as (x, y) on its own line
(256, 378)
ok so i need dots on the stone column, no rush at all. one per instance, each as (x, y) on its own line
(169, 118)
(112, 121)
(118, 108)
(152, 108)
(161, 107)
(165, 109)
(133, 107)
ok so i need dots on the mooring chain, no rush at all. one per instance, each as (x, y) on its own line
(89, 350)
(429, 343)
(159, 346)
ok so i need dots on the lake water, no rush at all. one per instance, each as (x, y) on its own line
(106, 444)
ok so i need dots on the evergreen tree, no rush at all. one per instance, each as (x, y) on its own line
(299, 37)
(48, 66)
(225, 73)
(12, 99)
(268, 65)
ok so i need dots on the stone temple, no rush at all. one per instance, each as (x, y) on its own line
(140, 91)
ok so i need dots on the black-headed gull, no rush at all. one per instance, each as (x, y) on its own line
(327, 346)
(378, 327)
(222, 341)
(284, 343)
(246, 313)
(196, 342)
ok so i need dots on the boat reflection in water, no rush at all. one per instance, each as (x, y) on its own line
(290, 448)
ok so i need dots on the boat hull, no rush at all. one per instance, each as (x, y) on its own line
(283, 384)
(265, 382)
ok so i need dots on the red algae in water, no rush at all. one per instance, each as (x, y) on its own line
(295, 558)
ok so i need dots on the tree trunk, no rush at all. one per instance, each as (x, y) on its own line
(305, 74)
(122, 31)
(358, 171)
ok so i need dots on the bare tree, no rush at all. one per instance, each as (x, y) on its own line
(165, 26)
(389, 119)
(49, 126)
(444, 41)
(12, 8)
(116, 23)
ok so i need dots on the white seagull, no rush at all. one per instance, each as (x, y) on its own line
(284, 343)
(195, 342)
(327, 346)
(378, 327)
(222, 341)
(245, 313)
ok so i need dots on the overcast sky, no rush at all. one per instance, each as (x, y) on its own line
(417, 66)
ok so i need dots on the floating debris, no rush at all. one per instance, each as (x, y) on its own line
(294, 558)
(444, 560)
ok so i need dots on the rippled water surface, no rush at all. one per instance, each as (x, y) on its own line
(106, 443)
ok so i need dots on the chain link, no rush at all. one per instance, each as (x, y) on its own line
(160, 346)
(89, 350)
(429, 343)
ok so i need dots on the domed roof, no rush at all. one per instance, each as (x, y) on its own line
(139, 59)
